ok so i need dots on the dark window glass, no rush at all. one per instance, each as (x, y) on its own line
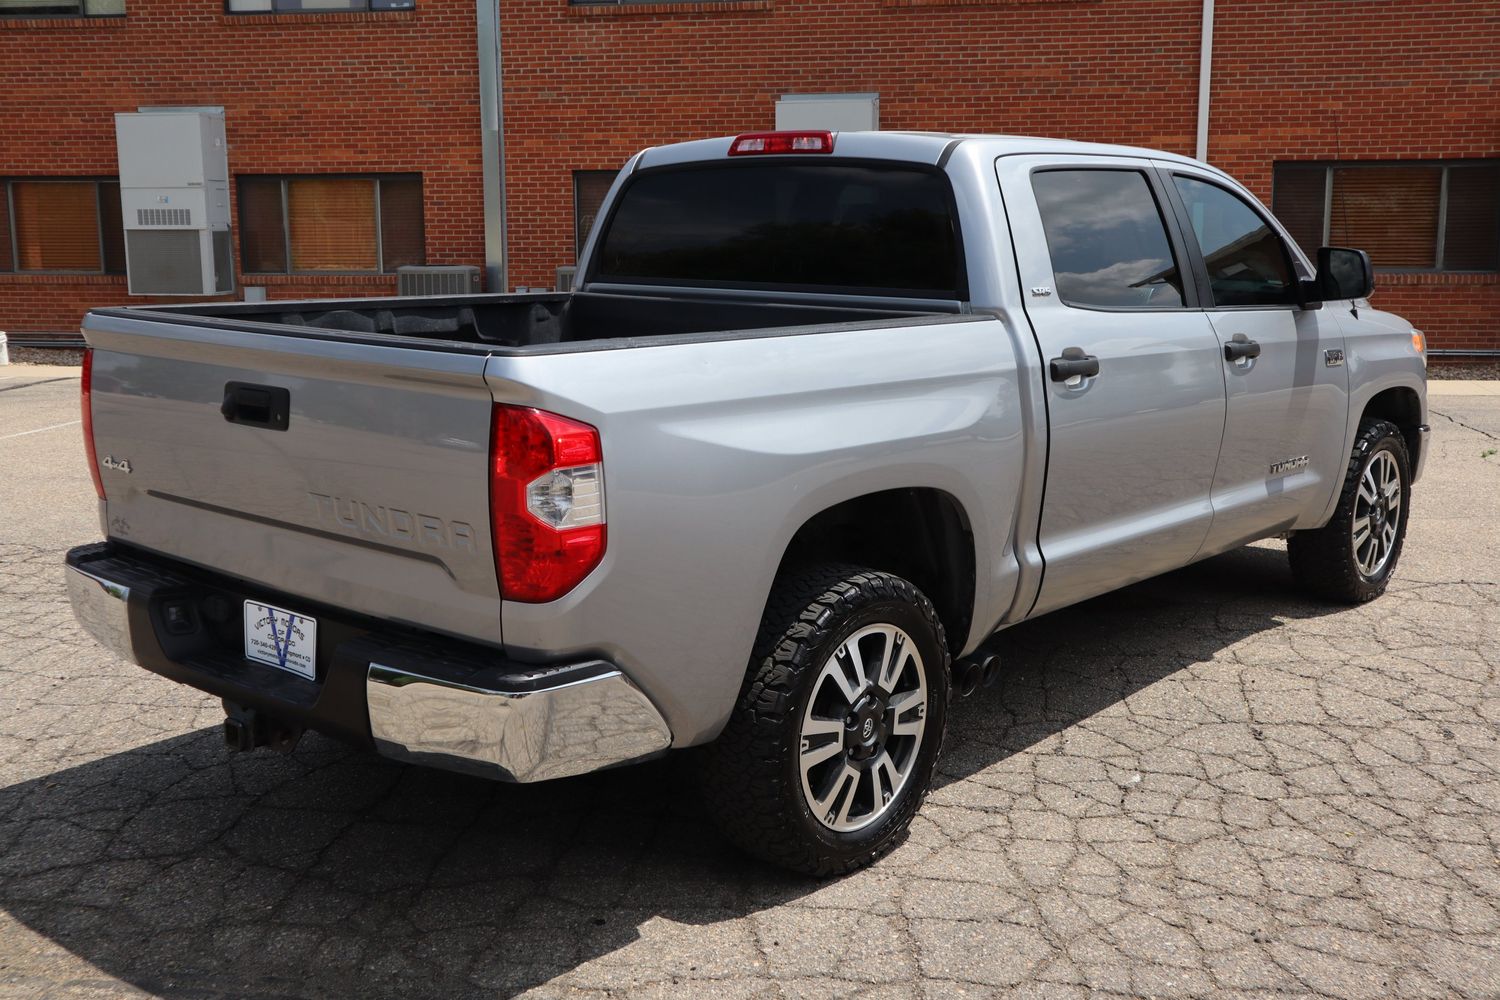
(112, 227)
(1391, 213)
(332, 221)
(312, 6)
(262, 236)
(1406, 216)
(401, 230)
(78, 8)
(874, 229)
(1107, 240)
(1471, 240)
(589, 190)
(7, 262)
(1298, 199)
(61, 225)
(56, 225)
(330, 224)
(1247, 264)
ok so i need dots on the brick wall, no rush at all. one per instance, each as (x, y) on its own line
(586, 86)
(1373, 80)
(311, 93)
(1304, 79)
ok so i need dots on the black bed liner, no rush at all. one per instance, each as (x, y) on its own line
(503, 323)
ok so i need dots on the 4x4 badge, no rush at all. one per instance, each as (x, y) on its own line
(118, 464)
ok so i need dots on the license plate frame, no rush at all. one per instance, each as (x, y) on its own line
(280, 638)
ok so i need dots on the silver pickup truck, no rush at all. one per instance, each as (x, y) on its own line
(835, 406)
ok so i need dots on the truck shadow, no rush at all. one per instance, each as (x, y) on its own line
(186, 873)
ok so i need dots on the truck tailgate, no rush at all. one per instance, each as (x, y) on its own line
(373, 496)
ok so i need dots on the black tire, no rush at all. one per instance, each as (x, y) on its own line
(1324, 561)
(751, 780)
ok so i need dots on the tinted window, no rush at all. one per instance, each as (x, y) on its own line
(1247, 265)
(1107, 240)
(886, 230)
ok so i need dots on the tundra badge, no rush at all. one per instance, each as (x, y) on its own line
(1289, 465)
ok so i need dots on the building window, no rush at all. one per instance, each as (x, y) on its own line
(61, 226)
(312, 6)
(81, 8)
(1407, 216)
(312, 225)
(589, 190)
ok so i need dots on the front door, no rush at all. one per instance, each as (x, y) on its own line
(1287, 387)
(1135, 390)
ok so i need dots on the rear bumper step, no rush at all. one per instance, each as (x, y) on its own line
(414, 696)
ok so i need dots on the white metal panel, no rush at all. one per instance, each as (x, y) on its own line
(171, 149)
(834, 112)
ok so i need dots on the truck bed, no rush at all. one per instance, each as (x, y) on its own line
(509, 323)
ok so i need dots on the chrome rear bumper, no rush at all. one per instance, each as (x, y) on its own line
(572, 725)
(425, 699)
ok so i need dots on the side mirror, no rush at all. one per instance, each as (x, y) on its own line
(1342, 274)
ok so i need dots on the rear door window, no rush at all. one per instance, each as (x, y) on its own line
(837, 227)
(1107, 240)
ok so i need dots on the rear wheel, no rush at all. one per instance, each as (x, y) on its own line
(832, 746)
(1351, 559)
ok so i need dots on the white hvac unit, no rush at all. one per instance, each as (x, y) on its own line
(174, 192)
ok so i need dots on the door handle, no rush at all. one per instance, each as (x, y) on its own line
(265, 406)
(1072, 364)
(1240, 346)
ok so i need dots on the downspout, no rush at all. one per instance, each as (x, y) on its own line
(1205, 75)
(492, 144)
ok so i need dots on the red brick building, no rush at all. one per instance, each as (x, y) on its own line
(1375, 122)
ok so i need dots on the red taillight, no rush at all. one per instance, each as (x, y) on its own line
(546, 503)
(86, 392)
(765, 143)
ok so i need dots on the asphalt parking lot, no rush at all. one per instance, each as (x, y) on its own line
(1203, 785)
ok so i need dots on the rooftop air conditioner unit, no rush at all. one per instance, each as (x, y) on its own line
(174, 193)
(458, 279)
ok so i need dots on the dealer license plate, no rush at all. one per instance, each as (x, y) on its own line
(281, 638)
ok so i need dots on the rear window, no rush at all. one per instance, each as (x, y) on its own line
(858, 228)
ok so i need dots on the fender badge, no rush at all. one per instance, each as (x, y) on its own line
(118, 464)
(1290, 465)
(1041, 291)
(1333, 358)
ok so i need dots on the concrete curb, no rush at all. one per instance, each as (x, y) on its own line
(1463, 387)
(37, 373)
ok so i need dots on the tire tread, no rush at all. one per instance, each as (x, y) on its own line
(743, 773)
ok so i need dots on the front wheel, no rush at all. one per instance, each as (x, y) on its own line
(832, 745)
(1351, 559)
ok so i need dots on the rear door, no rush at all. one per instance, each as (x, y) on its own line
(1133, 446)
(345, 473)
(1286, 384)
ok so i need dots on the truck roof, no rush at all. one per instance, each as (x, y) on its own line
(913, 147)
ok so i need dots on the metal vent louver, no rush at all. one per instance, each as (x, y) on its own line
(179, 218)
(444, 280)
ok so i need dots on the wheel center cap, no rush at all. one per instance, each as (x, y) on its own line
(866, 727)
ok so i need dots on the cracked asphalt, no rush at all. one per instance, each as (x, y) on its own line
(1204, 785)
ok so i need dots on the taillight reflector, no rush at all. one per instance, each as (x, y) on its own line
(767, 143)
(546, 503)
(86, 393)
